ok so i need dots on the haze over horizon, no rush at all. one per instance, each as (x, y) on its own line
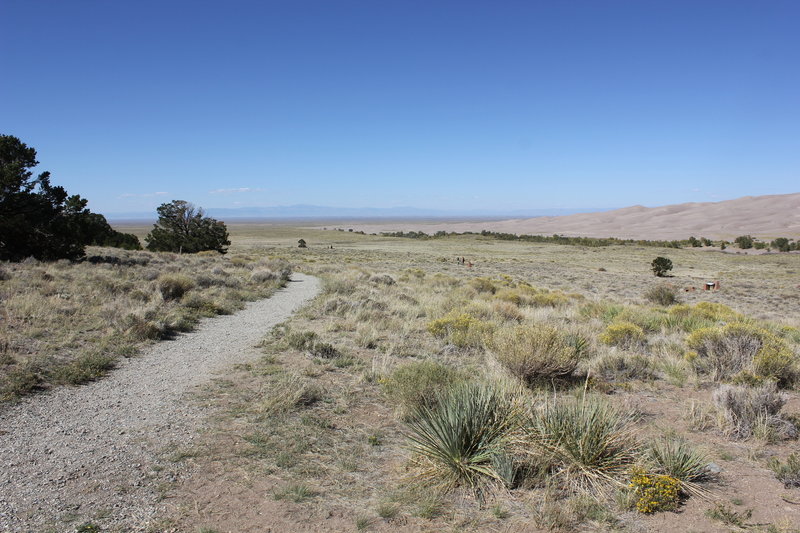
(449, 106)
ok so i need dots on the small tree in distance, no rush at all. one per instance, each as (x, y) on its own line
(184, 228)
(660, 266)
(302, 243)
(744, 241)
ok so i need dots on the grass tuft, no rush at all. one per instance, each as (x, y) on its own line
(787, 473)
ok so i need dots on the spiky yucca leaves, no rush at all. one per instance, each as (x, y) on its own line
(677, 458)
(589, 444)
(457, 440)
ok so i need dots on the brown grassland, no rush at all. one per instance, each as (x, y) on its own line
(543, 388)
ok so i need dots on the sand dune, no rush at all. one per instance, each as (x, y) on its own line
(760, 216)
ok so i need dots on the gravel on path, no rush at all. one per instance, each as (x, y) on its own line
(95, 453)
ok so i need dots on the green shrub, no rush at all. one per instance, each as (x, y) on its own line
(623, 334)
(650, 320)
(140, 329)
(660, 266)
(776, 360)
(324, 350)
(457, 440)
(460, 329)
(716, 312)
(303, 340)
(549, 299)
(662, 295)
(787, 473)
(625, 367)
(417, 384)
(174, 286)
(744, 241)
(483, 285)
(18, 381)
(535, 352)
(588, 443)
(728, 516)
(723, 352)
(294, 493)
(509, 295)
(604, 311)
(86, 367)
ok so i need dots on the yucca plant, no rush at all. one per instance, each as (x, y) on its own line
(677, 458)
(458, 440)
(588, 443)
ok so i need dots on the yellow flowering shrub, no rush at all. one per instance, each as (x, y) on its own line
(655, 492)
(725, 351)
(625, 334)
(460, 329)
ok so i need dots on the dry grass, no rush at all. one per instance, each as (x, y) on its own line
(394, 311)
(66, 323)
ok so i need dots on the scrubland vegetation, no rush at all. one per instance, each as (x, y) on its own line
(544, 388)
(69, 322)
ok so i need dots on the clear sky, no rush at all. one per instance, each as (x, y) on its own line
(455, 105)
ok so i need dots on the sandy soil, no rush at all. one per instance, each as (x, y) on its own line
(765, 217)
(105, 453)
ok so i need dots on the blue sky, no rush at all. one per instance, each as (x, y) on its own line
(454, 105)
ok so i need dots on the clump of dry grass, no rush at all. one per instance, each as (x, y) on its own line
(624, 366)
(174, 286)
(67, 322)
(418, 384)
(753, 412)
(663, 294)
(288, 391)
(787, 473)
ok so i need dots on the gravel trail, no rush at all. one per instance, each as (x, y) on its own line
(99, 453)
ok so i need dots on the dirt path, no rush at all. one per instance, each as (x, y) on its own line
(105, 452)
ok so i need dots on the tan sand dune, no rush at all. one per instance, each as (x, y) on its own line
(765, 217)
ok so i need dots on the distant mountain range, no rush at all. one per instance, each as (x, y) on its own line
(325, 212)
(769, 216)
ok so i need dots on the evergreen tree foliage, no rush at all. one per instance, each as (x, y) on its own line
(744, 241)
(38, 219)
(660, 266)
(184, 228)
